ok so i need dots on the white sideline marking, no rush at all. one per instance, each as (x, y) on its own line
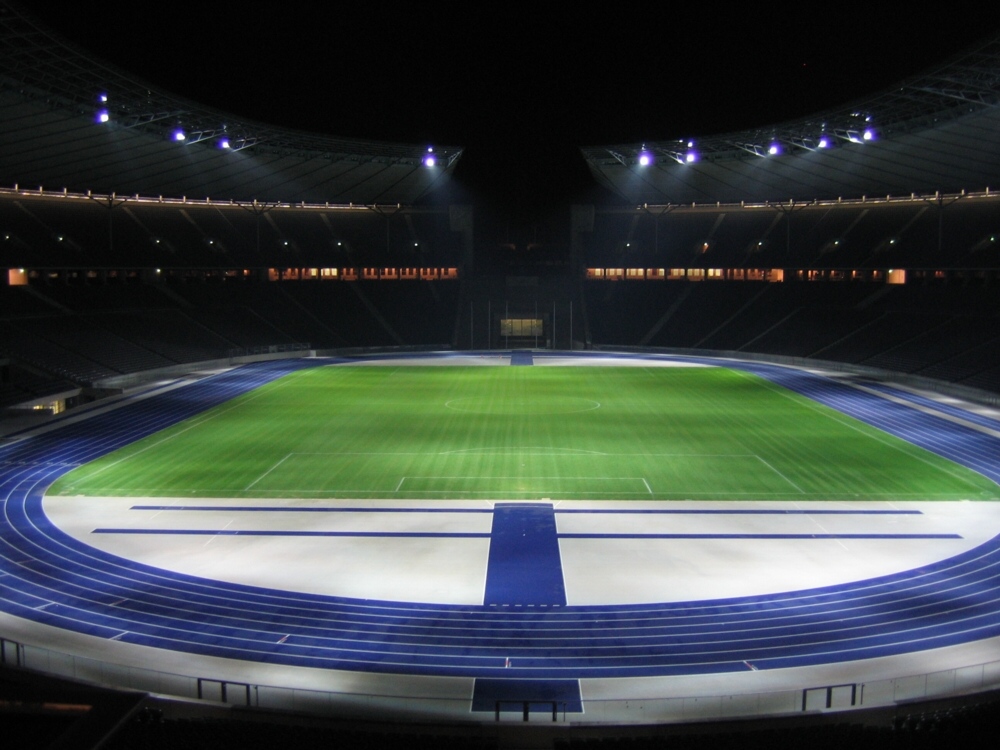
(481, 480)
(268, 471)
(780, 474)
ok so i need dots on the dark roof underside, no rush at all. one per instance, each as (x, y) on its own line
(50, 98)
(935, 131)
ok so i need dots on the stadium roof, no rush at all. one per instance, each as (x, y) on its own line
(935, 131)
(72, 121)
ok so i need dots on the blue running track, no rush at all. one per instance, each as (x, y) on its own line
(49, 577)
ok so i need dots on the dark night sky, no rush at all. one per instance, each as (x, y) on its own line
(521, 91)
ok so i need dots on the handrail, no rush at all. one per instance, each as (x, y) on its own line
(642, 710)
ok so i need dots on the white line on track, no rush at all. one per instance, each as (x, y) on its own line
(902, 446)
(826, 531)
(216, 535)
(925, 409)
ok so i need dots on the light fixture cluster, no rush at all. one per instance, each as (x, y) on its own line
(103, 115)
(171, 124)
(683, 152)
(857, 128)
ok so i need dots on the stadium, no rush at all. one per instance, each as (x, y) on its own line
(296, 440)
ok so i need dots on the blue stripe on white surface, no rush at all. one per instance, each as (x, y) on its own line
(599, 535)
(305, 509)
(515, 556)
(558, 511)
(524, 565)
(273, 532)
(734, 512)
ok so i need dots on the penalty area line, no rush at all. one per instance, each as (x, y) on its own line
(802, 491)
(268, 472)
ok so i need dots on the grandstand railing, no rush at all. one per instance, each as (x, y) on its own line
(251, 351)
(40, 192)
(652, 709)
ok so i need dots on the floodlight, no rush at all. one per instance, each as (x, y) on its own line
(691, 156)
(179, 135)
(645, 158)
(103, 115)
(429, 159)
(774, 149)
(224, 143)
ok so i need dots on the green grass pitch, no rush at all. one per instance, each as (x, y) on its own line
(494, 433)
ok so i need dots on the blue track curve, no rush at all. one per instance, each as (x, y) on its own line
(52, 578)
